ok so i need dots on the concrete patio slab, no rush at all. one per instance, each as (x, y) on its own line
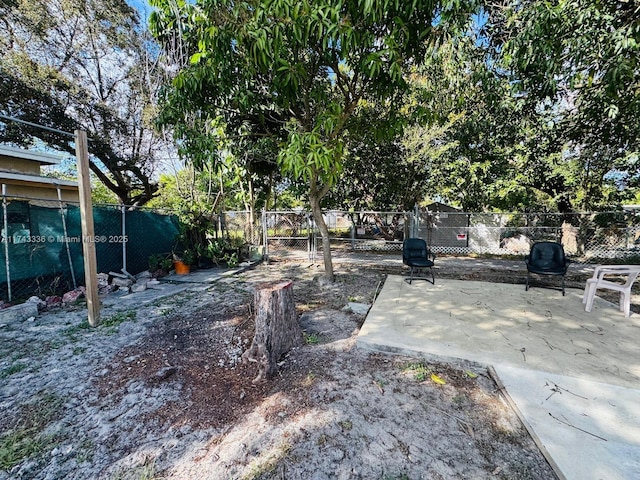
(586, 429)
(557, 363)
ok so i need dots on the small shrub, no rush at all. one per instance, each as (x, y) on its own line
(311, 339)
(419, 370)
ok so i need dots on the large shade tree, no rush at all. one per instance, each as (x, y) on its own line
(90, 65)
(580, 61)
(546, 118)
(299, 70)
(387, 169)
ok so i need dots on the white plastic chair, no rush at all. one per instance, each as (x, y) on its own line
(597, 281)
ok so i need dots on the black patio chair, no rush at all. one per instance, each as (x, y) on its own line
(547, 258)
(417, 256)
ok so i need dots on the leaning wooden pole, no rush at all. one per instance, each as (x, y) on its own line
(88, 232)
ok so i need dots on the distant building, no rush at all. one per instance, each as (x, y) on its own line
(20, 173)
(447, 228)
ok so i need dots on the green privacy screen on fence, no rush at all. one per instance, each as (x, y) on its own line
(42, 244)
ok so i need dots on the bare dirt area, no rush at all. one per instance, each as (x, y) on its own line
(159, 392)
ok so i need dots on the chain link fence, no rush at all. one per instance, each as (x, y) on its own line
(288, 233)
(294, 233)
(587, 237)
(41, 247)
(604, 237)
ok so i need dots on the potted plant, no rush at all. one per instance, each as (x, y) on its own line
(182, 263)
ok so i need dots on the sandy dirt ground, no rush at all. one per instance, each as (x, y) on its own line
(158, 392)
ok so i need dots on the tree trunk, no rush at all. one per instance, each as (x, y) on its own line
(324, 232)
(277, 329)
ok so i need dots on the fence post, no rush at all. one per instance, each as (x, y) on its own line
(311, 238)
(66, 237)
(6, 240)
(415, 222)
(353, 233)
(124, 235)
(265, 236)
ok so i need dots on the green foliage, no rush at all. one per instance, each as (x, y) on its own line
(117, 318)
(194, 196)
(14, 368)
(101, 194)
(108, 323)
(467, 126)
(419, 370)
(377, 173)
(187, 256)
(220, 251)
(231, 259)
(292, 71)
(510, 141)
(160, 262)
(577, 63)
(311, 339)
(83, 65)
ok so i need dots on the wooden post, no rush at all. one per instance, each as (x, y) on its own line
(277, 328)
(88, 232)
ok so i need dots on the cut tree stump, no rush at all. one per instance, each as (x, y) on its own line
(277, 329)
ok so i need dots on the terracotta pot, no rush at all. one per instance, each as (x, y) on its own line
(181, 267)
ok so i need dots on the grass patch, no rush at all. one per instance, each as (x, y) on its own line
(15, 368)
(26, 438)
(72, 332)
(146, 471)
(311, 339)
(109, 323)
(79, 350)
(345, 425)
(268, 464)
(118, 318)
(85, 451)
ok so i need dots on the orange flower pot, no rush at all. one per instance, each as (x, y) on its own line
(181, 267)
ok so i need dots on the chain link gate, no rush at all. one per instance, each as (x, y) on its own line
(290, 234)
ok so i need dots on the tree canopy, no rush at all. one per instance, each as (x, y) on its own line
(578, 64)
(71, 64)
(298, 71)
(546, 117)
